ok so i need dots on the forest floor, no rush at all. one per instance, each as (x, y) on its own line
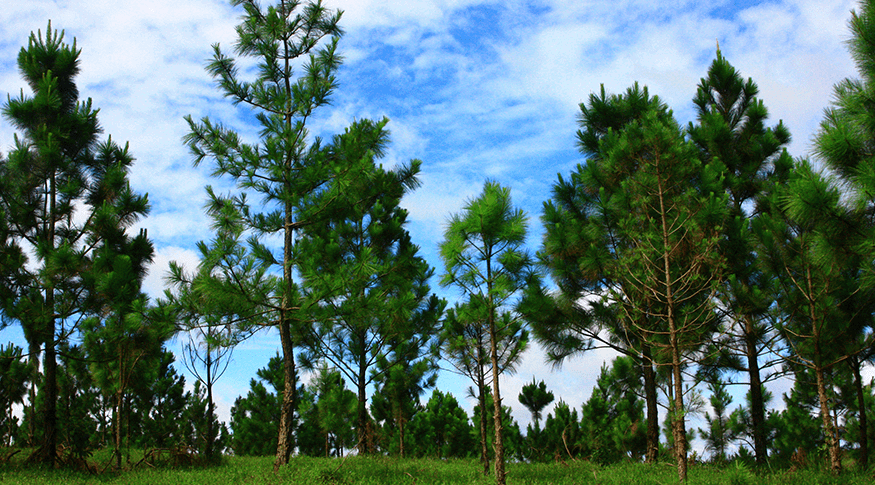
(395, 471)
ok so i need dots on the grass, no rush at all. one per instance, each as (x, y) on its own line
(385, 470)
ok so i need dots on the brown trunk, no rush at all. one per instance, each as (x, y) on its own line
(481, 396)
(757, 406)
(285, 441)
(117, 430)
(48, 452)
(861, 405)
(362, 413)
(401, 432)
(35, 377)
(679, 424)
(496, 399)
(651, 400)
(828, 430)
(208, 450)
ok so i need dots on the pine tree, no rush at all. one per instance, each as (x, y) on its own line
(581, 242)
(286, 168)
(441, 429)
(161, 405)
(846, 141)
(659, 203)
(718, 434)
(731, 131)
(369, 287)
(326, 407)
(57, 167)
(124, 338)
(809, 240)
(465, 344)
(13, 388)
(535, 398)
(255, 418)
(403, 378)
(484, 258)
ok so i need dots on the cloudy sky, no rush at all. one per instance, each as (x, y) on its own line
(476, 89)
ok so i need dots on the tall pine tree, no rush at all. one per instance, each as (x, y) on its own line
(58, 183)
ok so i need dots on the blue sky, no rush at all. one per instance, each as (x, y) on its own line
(475, 89)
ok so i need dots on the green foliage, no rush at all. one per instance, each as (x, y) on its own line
(58, 167)
(612, 420)
(372, 306)
(562, 437)
(798, 432)
(255, 418)
(730, 132)
(79, 402)
(717, 434)
(484, 259)
(14, 375)
(160, 405)
(441, 429)
(535, 398)
(514, 444)
(326, 405)
(208, 437)
(399, 386)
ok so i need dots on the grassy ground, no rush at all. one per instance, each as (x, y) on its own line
(382, 470)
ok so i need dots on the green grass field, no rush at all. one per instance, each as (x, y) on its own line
(384, 470)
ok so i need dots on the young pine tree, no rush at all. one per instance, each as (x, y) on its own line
(484, 258)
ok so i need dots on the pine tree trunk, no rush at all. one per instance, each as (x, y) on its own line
(117, 431)
(285, 441)
(651, 400)
(828, 430)
(484, 450)
(362, 412)
(757, 406)
(861, 405)
(35, 378)
(496, 399)
(49, 451)
(208, 450)
(679, 422)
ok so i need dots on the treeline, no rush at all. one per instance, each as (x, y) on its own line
(701, 253)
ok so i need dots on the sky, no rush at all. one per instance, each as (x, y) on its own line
(476, 89)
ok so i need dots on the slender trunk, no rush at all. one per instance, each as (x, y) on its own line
(362, 410)
(651, 400)
(484, 450)
(828, 430)
(401, 432)
(49, 452)
(757, 406)
(118, 430)
(861, 405)
(34, 348)
(285, 441)
(208, 449)
(498, 445)
(50, 364)
(679, 422)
